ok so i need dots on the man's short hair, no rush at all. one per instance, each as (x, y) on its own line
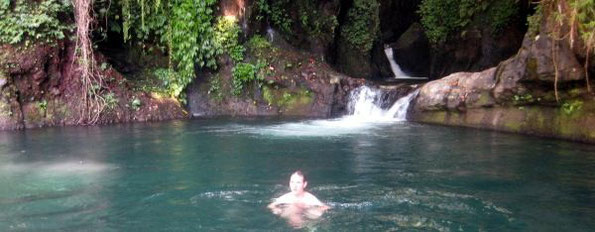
(300, 173)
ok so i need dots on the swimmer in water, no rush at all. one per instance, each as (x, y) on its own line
(298, 203)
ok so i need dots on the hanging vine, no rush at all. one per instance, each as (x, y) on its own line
(91, 80)
(571, 20)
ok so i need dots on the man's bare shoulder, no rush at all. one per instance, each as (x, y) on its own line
(287, 198)
(310, 199)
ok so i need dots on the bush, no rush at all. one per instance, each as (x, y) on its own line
(31, 21)
(363, 25)
(245, 73)
(444, 18)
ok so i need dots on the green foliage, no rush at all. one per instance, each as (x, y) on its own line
(584, 12)
(499, 14)
(216, 88)
(170, 81)
(267, 95)
(275, 12)
(135, 104)
(259, 46)
(42, 105)
(227, 33)
(111, 101)
(259, 42)
(570, 107)
(32, 21)
(314, 22)
(523, 99)
(443, 18)
(183, 27)
(363, 24)
(245, 73)
(534, 21)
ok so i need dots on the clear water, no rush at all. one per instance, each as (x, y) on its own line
(219, 175)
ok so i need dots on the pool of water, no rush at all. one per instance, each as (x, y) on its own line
(219, 175)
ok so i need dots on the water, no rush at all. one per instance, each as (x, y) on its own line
(219, 175)
(388, 51)
(365, 105)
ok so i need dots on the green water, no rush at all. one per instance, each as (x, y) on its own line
(219, 175)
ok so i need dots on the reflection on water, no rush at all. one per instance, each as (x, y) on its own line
(220, 175)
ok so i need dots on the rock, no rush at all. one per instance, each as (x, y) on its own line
(458, 91)
(412, 51)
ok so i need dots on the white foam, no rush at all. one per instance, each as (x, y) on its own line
(57, 167)
(388, 51)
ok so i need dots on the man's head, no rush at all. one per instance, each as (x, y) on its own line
(297, 182)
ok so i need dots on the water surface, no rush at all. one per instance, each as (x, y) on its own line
(219, 175)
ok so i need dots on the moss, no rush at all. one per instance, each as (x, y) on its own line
(484, 99)
(5, 109)
(287, 99)
(532, 68)
(56, 110)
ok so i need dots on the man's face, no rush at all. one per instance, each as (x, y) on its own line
(297, 184)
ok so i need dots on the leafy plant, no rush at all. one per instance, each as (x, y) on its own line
(363, 24)
(111, 101)
(314, 22)
(42, 105)
(245, 73)
(227, 34)
(275, 12)
(30, 21)
(444, 18)
(216, 88)
(570, 107)
(135, 104)
(523, 99)
(183, 27)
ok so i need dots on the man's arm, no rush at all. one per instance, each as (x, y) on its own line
(313, 201)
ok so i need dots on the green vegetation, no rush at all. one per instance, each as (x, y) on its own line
(314, 22)
(245, 73)
(569, 107)
(216, 88)
(445, 18)
(29, 21)
(42, 106)
(523, 99)
(227, 33)
(363, 24)
(135, 104)
(275, 12)
(111, 101)
(259, 46)
(183, 27)
(534, 21)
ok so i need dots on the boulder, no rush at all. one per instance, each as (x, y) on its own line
(412, 51)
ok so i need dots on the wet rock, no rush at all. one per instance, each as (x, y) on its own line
(412, 51)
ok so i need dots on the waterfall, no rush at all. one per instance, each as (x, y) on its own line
(393, 64)
(364, 105)
(271, 34)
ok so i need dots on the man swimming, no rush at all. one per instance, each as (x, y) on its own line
(298, 196)
(298, 203)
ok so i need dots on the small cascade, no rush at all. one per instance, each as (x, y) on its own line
(365, 102)
(393, 64)
(271, 34)
(399, 109)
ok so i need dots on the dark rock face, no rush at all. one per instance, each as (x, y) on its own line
(478, 49)
(412, 52)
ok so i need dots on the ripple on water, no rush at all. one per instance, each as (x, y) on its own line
(246, 196)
